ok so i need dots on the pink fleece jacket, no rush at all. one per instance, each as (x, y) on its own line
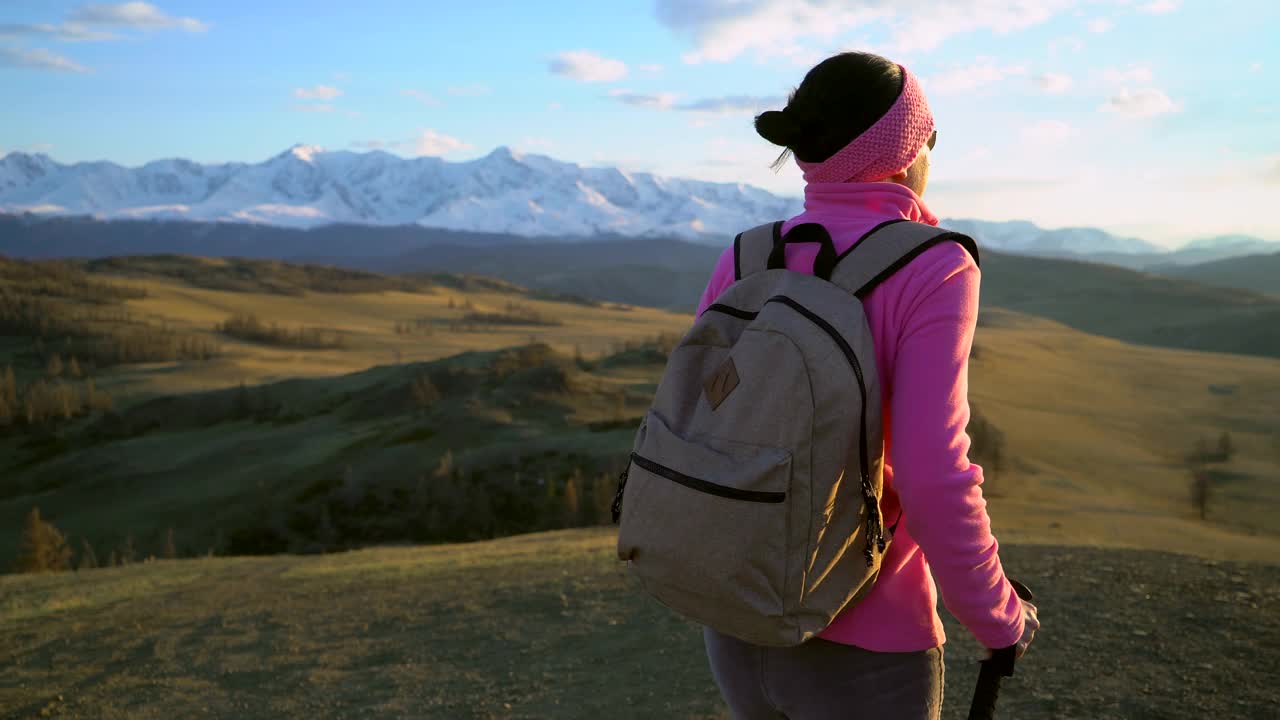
(922, 320)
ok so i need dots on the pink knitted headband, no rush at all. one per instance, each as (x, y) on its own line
(887, 148)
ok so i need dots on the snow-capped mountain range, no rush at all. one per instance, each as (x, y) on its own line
(503, 192)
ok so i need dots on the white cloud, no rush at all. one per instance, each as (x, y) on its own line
(1255, 67)
(314, 107)
(1141, 103)
(1160, 7)
(1071, 43)
(425, 98)
(722, 30)
(555, 106)
(726, 105)
(430, 142)
(1049, 132)
(1272, 176)
(66, 32)
(651, 68)
(139, 15)
(1053, 83)
(656, 101)
(39, 59)
(1100, 25)
(470, 90)
(734, 104)
(319, 92)
(1134, 74)
(426, 142)
(586, 66)
(985, 71)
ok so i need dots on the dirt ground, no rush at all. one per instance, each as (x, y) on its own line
(547, 626)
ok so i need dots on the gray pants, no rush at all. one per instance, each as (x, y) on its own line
(823, 680)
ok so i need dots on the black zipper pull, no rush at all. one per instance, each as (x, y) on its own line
(617, 497)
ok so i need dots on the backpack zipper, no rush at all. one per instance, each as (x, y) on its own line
(724, 491)
(875, 522)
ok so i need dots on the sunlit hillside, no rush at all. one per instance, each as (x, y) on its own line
(344, 444)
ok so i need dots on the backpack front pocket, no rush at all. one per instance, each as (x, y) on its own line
(718, 547)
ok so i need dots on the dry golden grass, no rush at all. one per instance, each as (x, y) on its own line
(368, 320)
(548, 625)
(1097, 429)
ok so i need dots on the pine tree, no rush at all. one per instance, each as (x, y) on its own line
(42, 547)
(73, 368)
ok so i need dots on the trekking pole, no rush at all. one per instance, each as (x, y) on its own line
(994, 670)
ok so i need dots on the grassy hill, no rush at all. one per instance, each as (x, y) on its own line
(461, 408)
(1258, 273)
(422, 408)
(1099, 299)
(548, 626)
(1134, 307)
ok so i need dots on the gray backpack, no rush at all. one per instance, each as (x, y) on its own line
(751, 503)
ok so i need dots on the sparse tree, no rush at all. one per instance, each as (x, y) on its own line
(170, 550)
(54, 366)
(1225, 447)
(42, 547)
(602, 499)
(572, 502)
(445, 468)
(424, 392)
(1201, 491)
(88, 558)
(9, 386)
(244, 405)
(73, 368)
(128, 554)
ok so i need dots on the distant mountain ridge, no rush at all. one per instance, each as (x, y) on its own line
(305, 187)
(504, 192)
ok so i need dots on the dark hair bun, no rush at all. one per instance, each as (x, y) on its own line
(778, 127)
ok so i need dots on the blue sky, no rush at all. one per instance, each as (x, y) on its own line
(1157, 118)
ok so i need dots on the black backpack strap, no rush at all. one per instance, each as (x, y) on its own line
(751, 249)
(887, 249)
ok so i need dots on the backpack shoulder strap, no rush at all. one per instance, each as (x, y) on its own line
(751, 249)
(887, 249)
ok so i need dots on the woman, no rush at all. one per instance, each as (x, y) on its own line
(861, 130)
